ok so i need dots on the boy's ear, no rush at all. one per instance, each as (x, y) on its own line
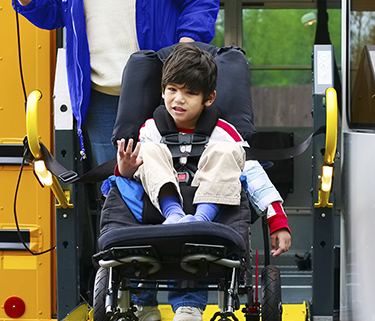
(162, 94)
(211, 99)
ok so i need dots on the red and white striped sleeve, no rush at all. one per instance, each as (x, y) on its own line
(277, 218)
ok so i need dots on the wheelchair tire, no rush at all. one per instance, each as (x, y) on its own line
(271, 294)
(100, 289)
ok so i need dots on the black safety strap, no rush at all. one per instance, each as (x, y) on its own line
(181, 144)
(282, 153)
(105, 170)
(55, 167)
(204, 126)
(97, 174)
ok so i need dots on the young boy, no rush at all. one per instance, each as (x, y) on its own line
(188, 87)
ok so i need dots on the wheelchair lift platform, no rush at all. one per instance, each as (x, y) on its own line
(291, 312)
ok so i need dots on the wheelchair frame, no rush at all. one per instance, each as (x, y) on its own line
(236, 277)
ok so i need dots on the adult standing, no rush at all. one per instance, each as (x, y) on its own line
(100, 37)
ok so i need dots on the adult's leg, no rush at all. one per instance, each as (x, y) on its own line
(99, 124)
(193, 299)
(147, 298)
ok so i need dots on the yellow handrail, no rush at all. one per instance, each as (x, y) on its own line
(330, 149)
(331, 131)
(34, 146)
(32, 123)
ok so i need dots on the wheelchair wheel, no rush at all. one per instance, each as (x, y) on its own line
(100, 289)
(271, 294)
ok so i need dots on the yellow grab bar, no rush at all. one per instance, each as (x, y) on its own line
(34, 146)
(331, 131)
(32, 123)
(330, 149)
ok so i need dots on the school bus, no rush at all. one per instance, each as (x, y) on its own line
(48, 235)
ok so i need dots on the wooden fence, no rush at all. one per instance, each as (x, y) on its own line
(282, 106)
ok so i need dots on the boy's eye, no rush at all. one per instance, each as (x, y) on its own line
(192, 93)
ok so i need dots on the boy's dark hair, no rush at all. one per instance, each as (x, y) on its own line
(190, 66)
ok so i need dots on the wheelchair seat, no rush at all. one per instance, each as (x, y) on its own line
(190, 250)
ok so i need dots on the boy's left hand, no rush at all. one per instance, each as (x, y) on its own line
(280, 241)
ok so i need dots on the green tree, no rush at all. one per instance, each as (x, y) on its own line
(277, 37)
(362, 33)
(218, 41)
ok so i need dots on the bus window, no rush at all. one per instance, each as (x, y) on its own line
(362, 69)
(278, 46)
(218, 41)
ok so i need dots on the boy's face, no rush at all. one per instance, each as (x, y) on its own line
(184, 105)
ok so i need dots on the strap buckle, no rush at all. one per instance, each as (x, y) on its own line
(68, 176)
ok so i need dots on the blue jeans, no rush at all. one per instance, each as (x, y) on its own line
(176, 299)
(100, 119)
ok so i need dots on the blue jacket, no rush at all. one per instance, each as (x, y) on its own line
(160, 23)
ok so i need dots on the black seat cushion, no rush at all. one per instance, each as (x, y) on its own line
(169, 245)
(171, 237)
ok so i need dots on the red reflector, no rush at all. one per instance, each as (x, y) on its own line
(182, 177)
(14, 307)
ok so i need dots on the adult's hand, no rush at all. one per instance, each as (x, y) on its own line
(24, 2)
(186, 39)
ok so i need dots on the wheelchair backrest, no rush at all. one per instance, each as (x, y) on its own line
(141, 90)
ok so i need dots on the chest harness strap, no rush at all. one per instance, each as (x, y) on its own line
(186, 149)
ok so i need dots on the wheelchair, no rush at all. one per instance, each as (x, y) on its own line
(195, 256)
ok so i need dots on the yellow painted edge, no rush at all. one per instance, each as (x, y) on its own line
(291, 312)
(80, 313)
(295, 312)
(9, 140)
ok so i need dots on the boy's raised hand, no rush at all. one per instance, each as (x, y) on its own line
(128, 161)
(280, 241)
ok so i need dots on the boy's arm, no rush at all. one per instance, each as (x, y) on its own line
(127, 161)
(264, 197)
(279, 229)
(260, 189)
